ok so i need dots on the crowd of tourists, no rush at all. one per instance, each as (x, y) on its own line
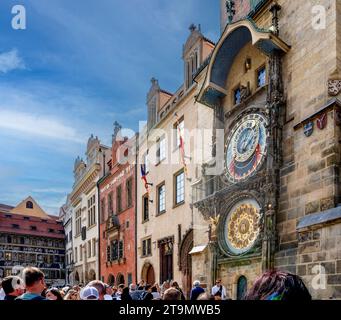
(274, 285)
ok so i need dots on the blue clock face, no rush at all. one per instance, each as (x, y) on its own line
(246, 147)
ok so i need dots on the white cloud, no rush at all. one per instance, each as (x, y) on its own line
(10, 61)
(36, 125)
(50, 190)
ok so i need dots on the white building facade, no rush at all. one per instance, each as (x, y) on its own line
(84, 207)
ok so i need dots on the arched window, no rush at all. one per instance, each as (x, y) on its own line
(29, 205)
(241, 288)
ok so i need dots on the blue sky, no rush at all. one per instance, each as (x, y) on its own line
(78, 67)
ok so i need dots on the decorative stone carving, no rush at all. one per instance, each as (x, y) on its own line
(334, 87)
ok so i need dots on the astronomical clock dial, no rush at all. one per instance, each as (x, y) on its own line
(246, 147)
(242, 226)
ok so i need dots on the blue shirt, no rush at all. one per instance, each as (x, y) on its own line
(30, 296)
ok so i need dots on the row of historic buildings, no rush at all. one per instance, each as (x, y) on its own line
(235, 173)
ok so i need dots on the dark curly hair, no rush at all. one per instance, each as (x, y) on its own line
(278, 285)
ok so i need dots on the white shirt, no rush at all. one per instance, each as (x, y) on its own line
(216, 288)
(2, 294)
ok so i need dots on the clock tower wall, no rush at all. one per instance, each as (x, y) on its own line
(244, 73)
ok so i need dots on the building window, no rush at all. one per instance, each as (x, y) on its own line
(76, 254)
(29, 205)
(80, 253)
(110, 205)
(8, 256)
(161, 149)
(161, 198)
(91, 211)
(120, 249)
(179, 128)
(145, 208)
(146, 162)
(33, 228)
(26, 218)
(102, 210)
(237, 96)
(78, 222)
(114, 251)
(129, 191)
(93, 247)
(179, 181)
(261, 77)
(89, 249)
(147, 247)
(108, 253)
(119, 199)
(15, 226)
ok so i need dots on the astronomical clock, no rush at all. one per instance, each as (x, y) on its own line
(246, 147)
(245, 153)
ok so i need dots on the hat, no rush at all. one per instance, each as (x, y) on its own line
(89, 293)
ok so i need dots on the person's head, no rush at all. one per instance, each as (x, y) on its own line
(218, 282)
(114, 289)
(206, 296)
(141, 283)
(148, 288)
(278, 285)
(100, 286)
(154, 288)
(132, 287)
(89, 293)
(72, 295)
(166, 285)
(13, 286)
(108, 290)
(175, 284)
(125, 291)
(196, 283)
(34, 280)
(120, 287)
(53, 294)
(172, 294)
